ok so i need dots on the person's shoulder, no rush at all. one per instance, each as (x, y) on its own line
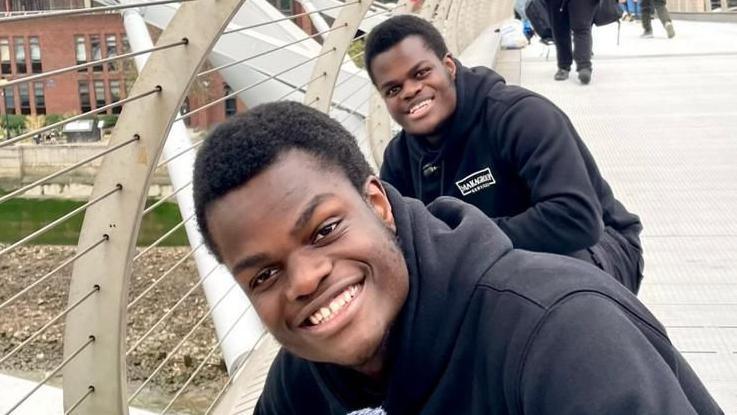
(290, 383)
(395, 148)
(502, 97)
(546, 279)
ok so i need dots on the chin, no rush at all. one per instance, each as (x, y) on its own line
(421, 128)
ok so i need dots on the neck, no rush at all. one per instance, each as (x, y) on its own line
(434, 140)
(375, 366)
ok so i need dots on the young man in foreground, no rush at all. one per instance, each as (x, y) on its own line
(380, 302)
(504, 149)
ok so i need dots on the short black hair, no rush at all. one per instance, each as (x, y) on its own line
(394, 30)
(248, 143)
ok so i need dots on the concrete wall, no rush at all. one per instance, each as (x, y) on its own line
(25, 163)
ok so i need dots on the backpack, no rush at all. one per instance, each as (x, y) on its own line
(537, 14)
(607, 12)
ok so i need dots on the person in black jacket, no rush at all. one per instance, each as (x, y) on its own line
(385, 306)
(575, 16)
(506, 150)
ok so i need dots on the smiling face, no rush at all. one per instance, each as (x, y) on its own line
(418, 87)
(318, 261)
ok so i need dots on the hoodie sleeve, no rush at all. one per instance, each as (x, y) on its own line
(589, 357)
(541, 145)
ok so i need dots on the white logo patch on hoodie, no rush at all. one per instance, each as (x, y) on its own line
(476, 181)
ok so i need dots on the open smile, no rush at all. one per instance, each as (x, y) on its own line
(420, 108)
(334, 312)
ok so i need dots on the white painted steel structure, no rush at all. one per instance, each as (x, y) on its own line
(264, 57)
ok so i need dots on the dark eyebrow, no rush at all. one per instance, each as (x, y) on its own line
(411, 70)
(308, 211)
(248, 262)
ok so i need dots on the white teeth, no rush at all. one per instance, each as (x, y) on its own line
(419, 106)
(341, 300)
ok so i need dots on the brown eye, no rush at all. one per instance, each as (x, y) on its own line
(263, 276)
(325, 231)
(423, 73)
(392, 91)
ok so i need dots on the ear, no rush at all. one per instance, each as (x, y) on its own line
(450, 65)
(375, 196)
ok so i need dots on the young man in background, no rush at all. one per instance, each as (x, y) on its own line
(504, 149)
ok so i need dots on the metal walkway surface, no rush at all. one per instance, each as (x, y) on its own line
(660, 117)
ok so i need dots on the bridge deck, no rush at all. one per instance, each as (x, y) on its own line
(660, 117)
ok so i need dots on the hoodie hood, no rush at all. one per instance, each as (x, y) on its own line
(448, 247)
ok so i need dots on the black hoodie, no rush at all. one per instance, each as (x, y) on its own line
(487, 329)
(517, 157)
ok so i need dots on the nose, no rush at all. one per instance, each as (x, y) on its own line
(411, 88)
(306, 270)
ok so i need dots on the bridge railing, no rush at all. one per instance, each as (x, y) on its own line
(106, 289)
(703, 6)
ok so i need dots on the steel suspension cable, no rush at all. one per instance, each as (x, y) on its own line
(171, 310)
(80, 116)
(186, 337)
(163, 237)
(206, 358)
(92, 10)
(232, 94)
(53, 272)
(75, 405)
(164, 275)
(80, 163)
(53, 373)
(51, 322)
(109, 59)
(60, 220)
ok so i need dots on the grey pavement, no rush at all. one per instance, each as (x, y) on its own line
(660, 117)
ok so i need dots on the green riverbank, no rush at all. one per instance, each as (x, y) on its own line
(21, 217)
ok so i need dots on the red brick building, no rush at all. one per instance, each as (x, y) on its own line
(35, 46)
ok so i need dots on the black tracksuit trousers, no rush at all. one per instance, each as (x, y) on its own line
(647, 13)
(576, 16)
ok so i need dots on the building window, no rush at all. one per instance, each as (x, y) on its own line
(35, 5)
(95, 52)
(5, 56)
(38, 95)
(25, 99)
(111, 42)
(35, 48)
(10, 100)
(99, 94)
(20, 55)
(284, 6)
(115, 95)
(81, 51)
(183, 110)
(231, 106)
(85, 103)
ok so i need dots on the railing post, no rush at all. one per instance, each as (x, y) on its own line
(102, 365)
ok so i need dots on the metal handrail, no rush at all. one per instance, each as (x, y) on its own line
(60, 220)
(92, 10)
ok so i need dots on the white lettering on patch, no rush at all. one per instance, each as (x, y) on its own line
(475, 182)
(369, 411)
